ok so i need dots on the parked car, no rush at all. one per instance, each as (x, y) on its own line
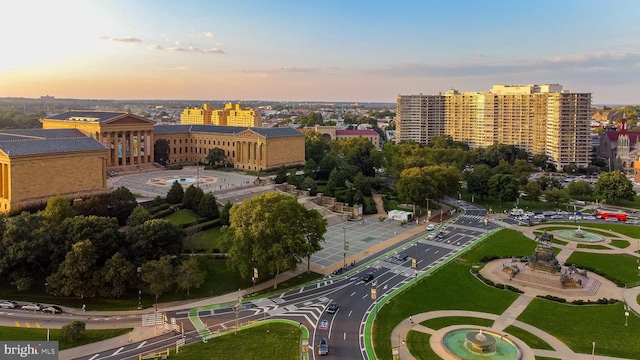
(431, 236)
(611, 219)
(9, 304)
(324, 325)
(52, 309)
(430, 227)
(402, 257)
(368, 277)
(441, 235)
(588, 217)
(32, 307)
(557, 217)
(333, 307)
(323, 348)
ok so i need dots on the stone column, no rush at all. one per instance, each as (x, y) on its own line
(130, 137)
(138, 147)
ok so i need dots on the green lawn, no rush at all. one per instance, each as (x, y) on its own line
(207, 240)
(632, 231)
(182, 217)
(273, 341)
(621, 267)
(8, 333)
(579, 326)
(506, 242)
(418, 345)
(442, 322)
(619, 243)
(533, 341)
(452, 287)
(592, 246)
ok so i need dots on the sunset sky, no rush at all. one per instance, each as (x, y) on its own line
(334, 50)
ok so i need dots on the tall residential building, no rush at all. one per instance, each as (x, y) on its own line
(234, 115)
(537, 118)
(196, 115)
(419, 117)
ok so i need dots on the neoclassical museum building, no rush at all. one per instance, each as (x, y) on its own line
(73, 152)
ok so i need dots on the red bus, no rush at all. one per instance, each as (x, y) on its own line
(607, 214)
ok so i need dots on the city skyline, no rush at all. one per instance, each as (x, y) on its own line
(363, 51)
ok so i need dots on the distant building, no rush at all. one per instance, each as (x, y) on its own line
(231, 115)
(196, 116)
(36, 164)
(619, 147)
(537, 118)
(331, 133)
(234, 115)
(419, 118)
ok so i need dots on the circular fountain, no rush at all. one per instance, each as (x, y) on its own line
(578, 235)
(472, 344)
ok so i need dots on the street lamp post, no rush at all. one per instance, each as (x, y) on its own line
(626, 315)
(139, 291)
(593, 350)
(344, 249)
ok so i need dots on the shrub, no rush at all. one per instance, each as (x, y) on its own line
(73, 331)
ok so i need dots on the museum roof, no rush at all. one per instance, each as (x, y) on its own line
(230, 130)
(100, 116)
(45, 141)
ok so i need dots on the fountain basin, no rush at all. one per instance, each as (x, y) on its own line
(578, 235)
(472, 344)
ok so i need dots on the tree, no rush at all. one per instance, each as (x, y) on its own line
(540, 160)
(175, 194)
(73, 331)
(104, 233)
(216, 156)
(138, 216)
(315, 146)
(117, 276)
(503, 187)
(579, 189)
(189, 274)
(153, 240)
(208, 207)
(224, 214)
(58, 208)
(310, 168)
(533, 190)
(557, 197)
(281, 175)
(26, 249)
(157, 276)
(191, 198)
(614, 186)
(121, 203)
(76, 275)
(309, 184)
(161, 151)
(478, 180)
(269, 229)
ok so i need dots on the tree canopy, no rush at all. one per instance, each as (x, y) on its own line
(273, 231)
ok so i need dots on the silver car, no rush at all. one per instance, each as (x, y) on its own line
(8, 304)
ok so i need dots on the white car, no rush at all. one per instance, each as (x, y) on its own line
(32, 307)
(9, 304)
(588, 217)
(430, 227)
(431, 236)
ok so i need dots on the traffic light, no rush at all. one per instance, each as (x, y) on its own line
(346, 245)
(414, 263)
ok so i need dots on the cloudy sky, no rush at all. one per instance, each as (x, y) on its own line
(329, 50)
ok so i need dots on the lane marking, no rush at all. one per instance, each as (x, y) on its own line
(94, 356)
(141, 344)
(117, 351)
